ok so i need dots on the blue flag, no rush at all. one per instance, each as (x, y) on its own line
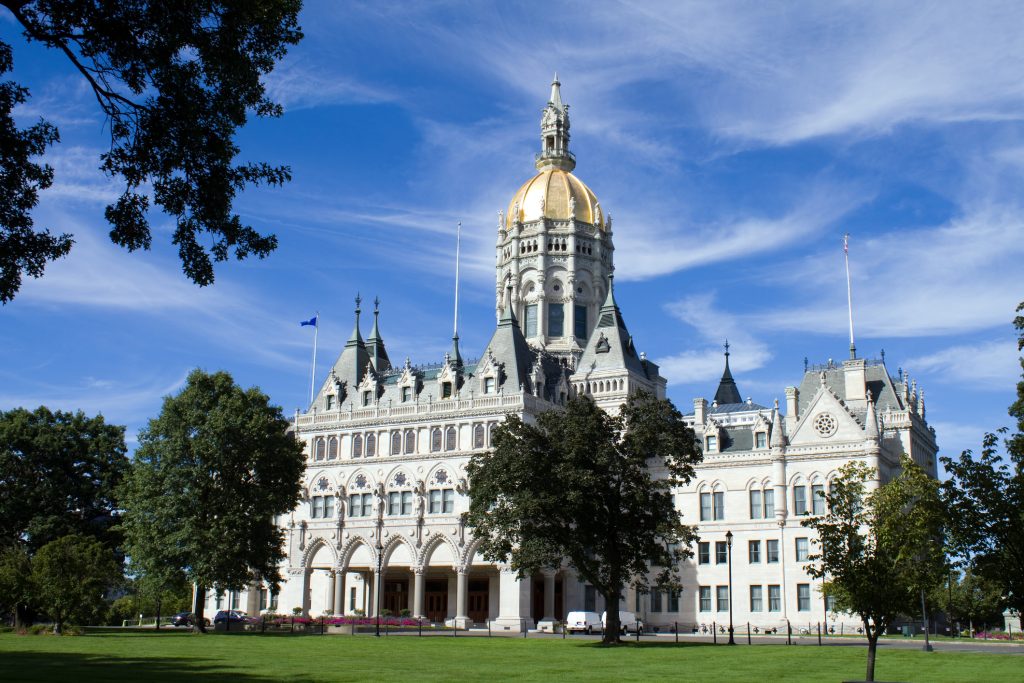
(311, 321)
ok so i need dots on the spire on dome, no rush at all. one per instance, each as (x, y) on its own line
(556, 93)
(554, 134)
(727, 391)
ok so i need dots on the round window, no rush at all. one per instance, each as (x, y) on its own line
(825, 424)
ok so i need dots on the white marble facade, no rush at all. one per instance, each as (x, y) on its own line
(387, 446)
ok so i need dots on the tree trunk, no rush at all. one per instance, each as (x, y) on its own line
(872, 647)
(58, 625)
(610, 635)
(23, 616)
(158, 601)
(198, 606)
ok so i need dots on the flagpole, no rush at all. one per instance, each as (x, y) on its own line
(849, 292)
(458, 244)
(312, 374)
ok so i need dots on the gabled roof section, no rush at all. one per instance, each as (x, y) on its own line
(879, 384)
(610, 345)
(727, 392)
(508, 346)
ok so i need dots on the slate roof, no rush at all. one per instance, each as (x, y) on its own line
(884, 392)
(611, 346)
(727, 392)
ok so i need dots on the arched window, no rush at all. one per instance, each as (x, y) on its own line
(435, 439)
(410, 441)
(490, 433)
(478, 436)
(371, 445)
(449, 439)
(319, 449)
(332, 448)
(357, 446)
(396, 443)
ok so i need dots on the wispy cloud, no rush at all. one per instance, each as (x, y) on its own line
(714, 326)
(296, 85)
(988, 365)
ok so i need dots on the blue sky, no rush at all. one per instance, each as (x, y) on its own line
(733, 144)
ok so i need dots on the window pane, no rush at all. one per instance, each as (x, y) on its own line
(488, 385)
(371, 444)
(318, 509)
(769, 503)
(329, 507)
(719, 505)
(478, 436)
(755, 504)
(319, 449)
(803, 597)
(774, 599)
(655, 601)
(755, 599)
(705, 598)
(818, 499)
(772, 551)
(410, 441)
(357, 446)
(556, 320)
(435, 440)
(446, 390)
(332, 448)
(712, 443)
(355, 509)
(799, 500)
(435, 502)
(531, 321)
(721, 552)
(406, 502)
(705, 506)
(580, 322)
(762, 440)
(393, 503)
(703, 552)
(449, 439)
(406, 394)
(367, 504)
(722, 598)
(673, 601)
(448, 499)
(754, 548)
(801, 550)
(396, 443)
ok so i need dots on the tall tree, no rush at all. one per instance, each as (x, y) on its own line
(879, 550)
(210, 474)
(969, 598)
(985, 496)
(72, 577)
(58, 475)
(17, 592)
(591, 487)
(175, 81)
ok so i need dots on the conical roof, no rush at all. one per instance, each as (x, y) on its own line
(727, 392)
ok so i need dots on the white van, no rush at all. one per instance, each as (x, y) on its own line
(627, 622)
(583, 622)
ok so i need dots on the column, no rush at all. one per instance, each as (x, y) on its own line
(461, 597)
(331, 594)
(513, 602)
(305, 592)
(419, 582)
(339, 592)
(547, 622)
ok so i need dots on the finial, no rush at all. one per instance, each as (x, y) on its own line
(359, 301)
(805, 363)
(376, 305)
(726, 347)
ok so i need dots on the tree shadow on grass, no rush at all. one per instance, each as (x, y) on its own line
(60, 667)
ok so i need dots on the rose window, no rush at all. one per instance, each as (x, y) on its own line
(441, 477)
(361, 482)
(825, 424)
(400, 479)
(322, 483)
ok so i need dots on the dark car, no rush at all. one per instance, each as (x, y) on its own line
(185, 619)
(231, 616)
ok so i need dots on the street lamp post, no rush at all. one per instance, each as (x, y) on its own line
(378, 582)
(728, 540)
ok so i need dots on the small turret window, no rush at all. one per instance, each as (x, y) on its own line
(761, 439)
(446, 390)
(367, 398)
(556, 320)
(488, 385)
(530, 330)
(406, 394)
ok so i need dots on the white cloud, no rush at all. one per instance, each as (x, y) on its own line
(713, 326)
(989, 365)
(296, 84)
(958, 277)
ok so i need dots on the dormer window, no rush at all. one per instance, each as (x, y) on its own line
(761, 439)
(712, 443)
(367, 398)
(329, 403)
(406, 394)
(488, 385)
(446, 389)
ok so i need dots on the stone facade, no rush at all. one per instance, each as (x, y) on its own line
(380, 524)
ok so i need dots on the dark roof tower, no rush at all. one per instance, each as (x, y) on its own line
(375, 343)
(727, 392)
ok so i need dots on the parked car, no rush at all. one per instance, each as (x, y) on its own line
(628, 621)
(185, 619)
(231, 616)
(583, 622)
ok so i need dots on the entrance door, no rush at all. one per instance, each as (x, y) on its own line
(396, 596)
(479, 600)
(435, 600)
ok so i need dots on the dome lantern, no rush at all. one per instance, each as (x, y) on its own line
(554, 134)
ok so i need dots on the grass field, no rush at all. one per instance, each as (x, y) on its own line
(156, 657)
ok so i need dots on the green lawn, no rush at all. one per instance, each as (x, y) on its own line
(169, 656)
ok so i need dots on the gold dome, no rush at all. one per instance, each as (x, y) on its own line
(547, 195)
